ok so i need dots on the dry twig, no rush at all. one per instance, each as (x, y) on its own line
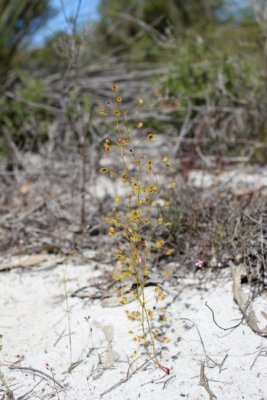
(203, 381)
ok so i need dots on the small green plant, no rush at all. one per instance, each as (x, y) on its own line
(136, 223)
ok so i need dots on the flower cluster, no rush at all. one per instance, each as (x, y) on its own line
(134, 223)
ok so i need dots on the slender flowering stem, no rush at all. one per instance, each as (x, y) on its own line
(135, 225)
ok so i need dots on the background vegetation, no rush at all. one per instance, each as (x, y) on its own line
(213, 77)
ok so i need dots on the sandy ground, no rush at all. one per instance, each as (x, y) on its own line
(35, 327)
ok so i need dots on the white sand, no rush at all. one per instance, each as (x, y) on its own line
(34, 325)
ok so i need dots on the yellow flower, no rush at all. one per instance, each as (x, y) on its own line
(162, 296)
(140, 125)
(135, 238)
(117, 277)
(168, 273)
(149, 164)
(130, 316)
(116, 112)
(111, 231)
(169, 252)
(122, 142)
(134, 216)
(173, 185)
(106, 147)
(124, 178)
(167, 204)
(160, 220)
(119, 99)
(123, 300)
(104, 170)
(103, 112)
(136, 187)
(141, 101)
(150, 136)
(115, 87)
(119, 255)
(152, 188)
(135, 314)
(117, 199)
(150, 313)
(165, 339)
(159, 244)
(165, 159)
(126, 274)
(145, 272)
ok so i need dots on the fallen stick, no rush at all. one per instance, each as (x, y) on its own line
(37, 372)
(203, 381)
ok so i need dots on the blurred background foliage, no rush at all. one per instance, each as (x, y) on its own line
(216, 58)
(18, 21)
